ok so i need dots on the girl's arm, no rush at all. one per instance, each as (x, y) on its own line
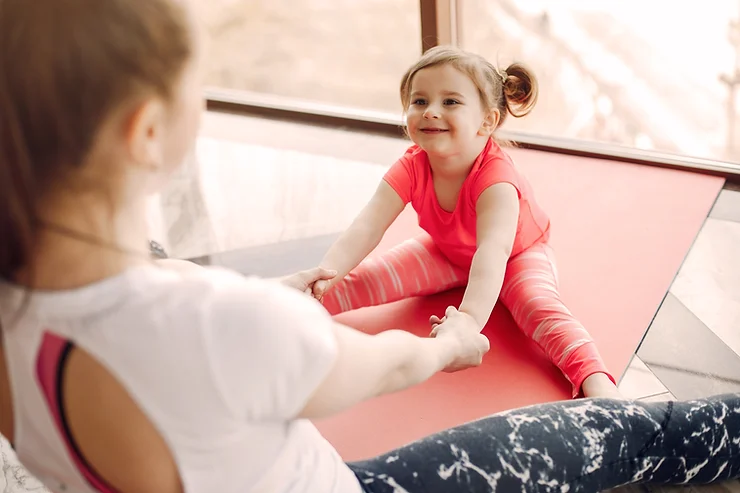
(364, 234)
(497, 213)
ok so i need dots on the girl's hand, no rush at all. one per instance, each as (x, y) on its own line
(319, 289)
(471, 344)
(434, 320)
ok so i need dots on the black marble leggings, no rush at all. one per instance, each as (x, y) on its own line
(586, 445)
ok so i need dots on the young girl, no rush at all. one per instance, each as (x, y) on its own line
(120, 375)
(483, 224)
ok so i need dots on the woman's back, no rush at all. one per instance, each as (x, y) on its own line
(171, 409)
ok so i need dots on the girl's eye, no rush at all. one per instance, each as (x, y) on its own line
(419, 101)
(451, 101)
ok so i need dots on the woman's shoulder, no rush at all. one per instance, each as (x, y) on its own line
(225, 292)
(175, 310)
(214, 329)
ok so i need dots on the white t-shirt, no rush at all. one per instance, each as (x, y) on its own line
(221, 365)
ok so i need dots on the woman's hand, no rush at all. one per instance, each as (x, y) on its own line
(305, 279)
(472, 345)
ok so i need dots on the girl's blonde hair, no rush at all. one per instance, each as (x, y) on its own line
(511, 91)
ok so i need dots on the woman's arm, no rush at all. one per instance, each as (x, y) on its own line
(368, 366)
(497, 212)
(275, 354)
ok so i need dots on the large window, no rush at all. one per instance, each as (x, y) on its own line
(647, 74)
(644, 74)
(342, 52)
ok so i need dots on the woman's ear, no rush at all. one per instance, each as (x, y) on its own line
(490, 123)
(144, 133)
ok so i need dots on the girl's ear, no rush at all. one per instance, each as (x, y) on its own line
(490, 122)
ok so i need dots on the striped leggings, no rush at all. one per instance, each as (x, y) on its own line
(417, 267)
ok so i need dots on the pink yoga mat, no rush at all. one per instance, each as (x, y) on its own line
(620, 233)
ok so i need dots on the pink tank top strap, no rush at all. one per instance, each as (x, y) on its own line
(49, 366)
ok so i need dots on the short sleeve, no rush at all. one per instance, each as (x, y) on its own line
(269, 348)
(493, 171)
(401, 176)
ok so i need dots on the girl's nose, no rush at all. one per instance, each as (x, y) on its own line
(431, 113)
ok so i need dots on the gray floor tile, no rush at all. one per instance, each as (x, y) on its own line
(665, 396)
(727, 206)
(708, 282)
(638, 381)
(686, 356)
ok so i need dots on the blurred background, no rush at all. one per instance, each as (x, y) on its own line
(646, 74)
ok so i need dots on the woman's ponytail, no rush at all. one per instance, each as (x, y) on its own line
(17, 194)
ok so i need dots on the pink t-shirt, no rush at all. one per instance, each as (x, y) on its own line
(455, 232)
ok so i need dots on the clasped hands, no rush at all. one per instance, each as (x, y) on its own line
(461, 328)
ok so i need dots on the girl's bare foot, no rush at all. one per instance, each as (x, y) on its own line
(599, 385)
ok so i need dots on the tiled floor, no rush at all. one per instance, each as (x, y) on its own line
(692, 346)
(313, 181)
